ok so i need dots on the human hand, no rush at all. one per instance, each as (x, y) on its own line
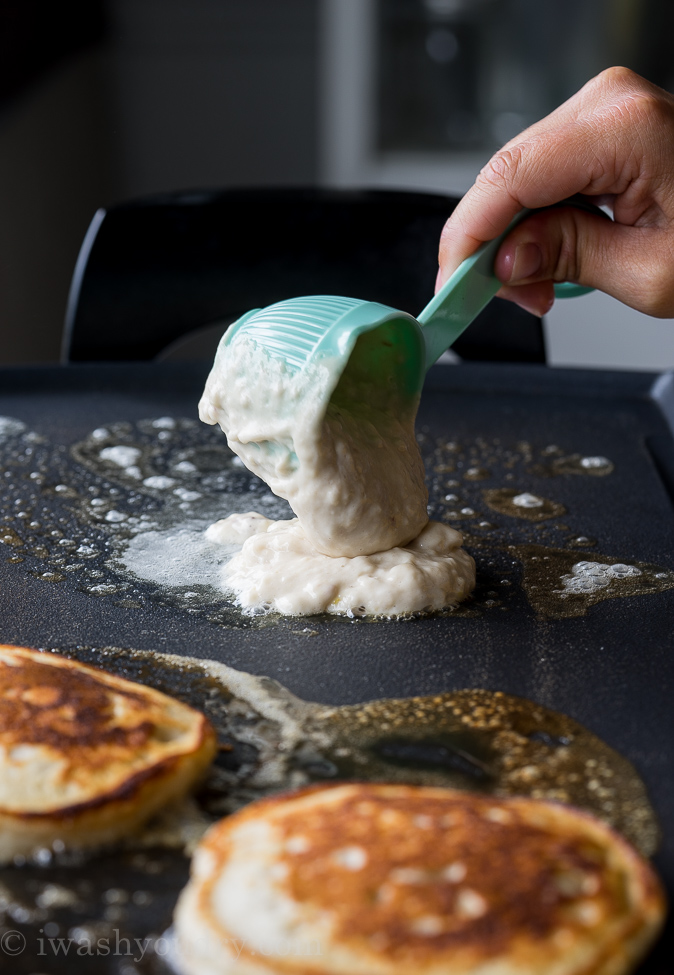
(613, 141)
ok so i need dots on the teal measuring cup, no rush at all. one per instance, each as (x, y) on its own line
(385, 344)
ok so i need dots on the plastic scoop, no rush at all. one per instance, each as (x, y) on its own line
(379, 342)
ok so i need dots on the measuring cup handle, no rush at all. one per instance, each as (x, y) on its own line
(463, 296)
(567, 289)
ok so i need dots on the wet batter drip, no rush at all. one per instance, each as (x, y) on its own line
(354, 476)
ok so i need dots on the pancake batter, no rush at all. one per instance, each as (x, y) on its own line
(352, 473)
(279, 569)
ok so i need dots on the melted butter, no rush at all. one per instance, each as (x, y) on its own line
(590, 466)
(522, 504)
(56, 502)
(8, 536)
(479, 740)
(581, 541)
(271, 741)
(477, 474)
(495, 743)
(559, 584)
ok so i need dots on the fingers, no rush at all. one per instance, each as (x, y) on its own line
(546, 166)
(536, 298)
(611, 141)
(634, 264)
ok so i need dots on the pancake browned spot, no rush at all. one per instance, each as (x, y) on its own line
(86, 757)
(388, 879)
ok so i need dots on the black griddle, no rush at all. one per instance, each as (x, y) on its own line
(611, 669)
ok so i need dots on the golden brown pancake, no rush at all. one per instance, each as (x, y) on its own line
(86, 757)
(368, 879)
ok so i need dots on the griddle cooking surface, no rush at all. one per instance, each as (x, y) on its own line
(611, 669)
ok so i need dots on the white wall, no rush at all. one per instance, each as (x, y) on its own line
(596, 330)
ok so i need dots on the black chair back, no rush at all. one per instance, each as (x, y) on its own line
(153, 270)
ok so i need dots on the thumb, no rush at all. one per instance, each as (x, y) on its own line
(633, 264)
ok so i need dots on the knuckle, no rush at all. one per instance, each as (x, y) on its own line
(657, 288)
(448, 236)
(503, 170)
(647, 108)
(618, 76)
(623, 93)
(448, 231)
(566, 262)
(569, 260)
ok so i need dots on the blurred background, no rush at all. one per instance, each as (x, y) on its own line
(107, 100)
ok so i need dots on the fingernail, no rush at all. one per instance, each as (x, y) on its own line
(538, 307)
(527, 262)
